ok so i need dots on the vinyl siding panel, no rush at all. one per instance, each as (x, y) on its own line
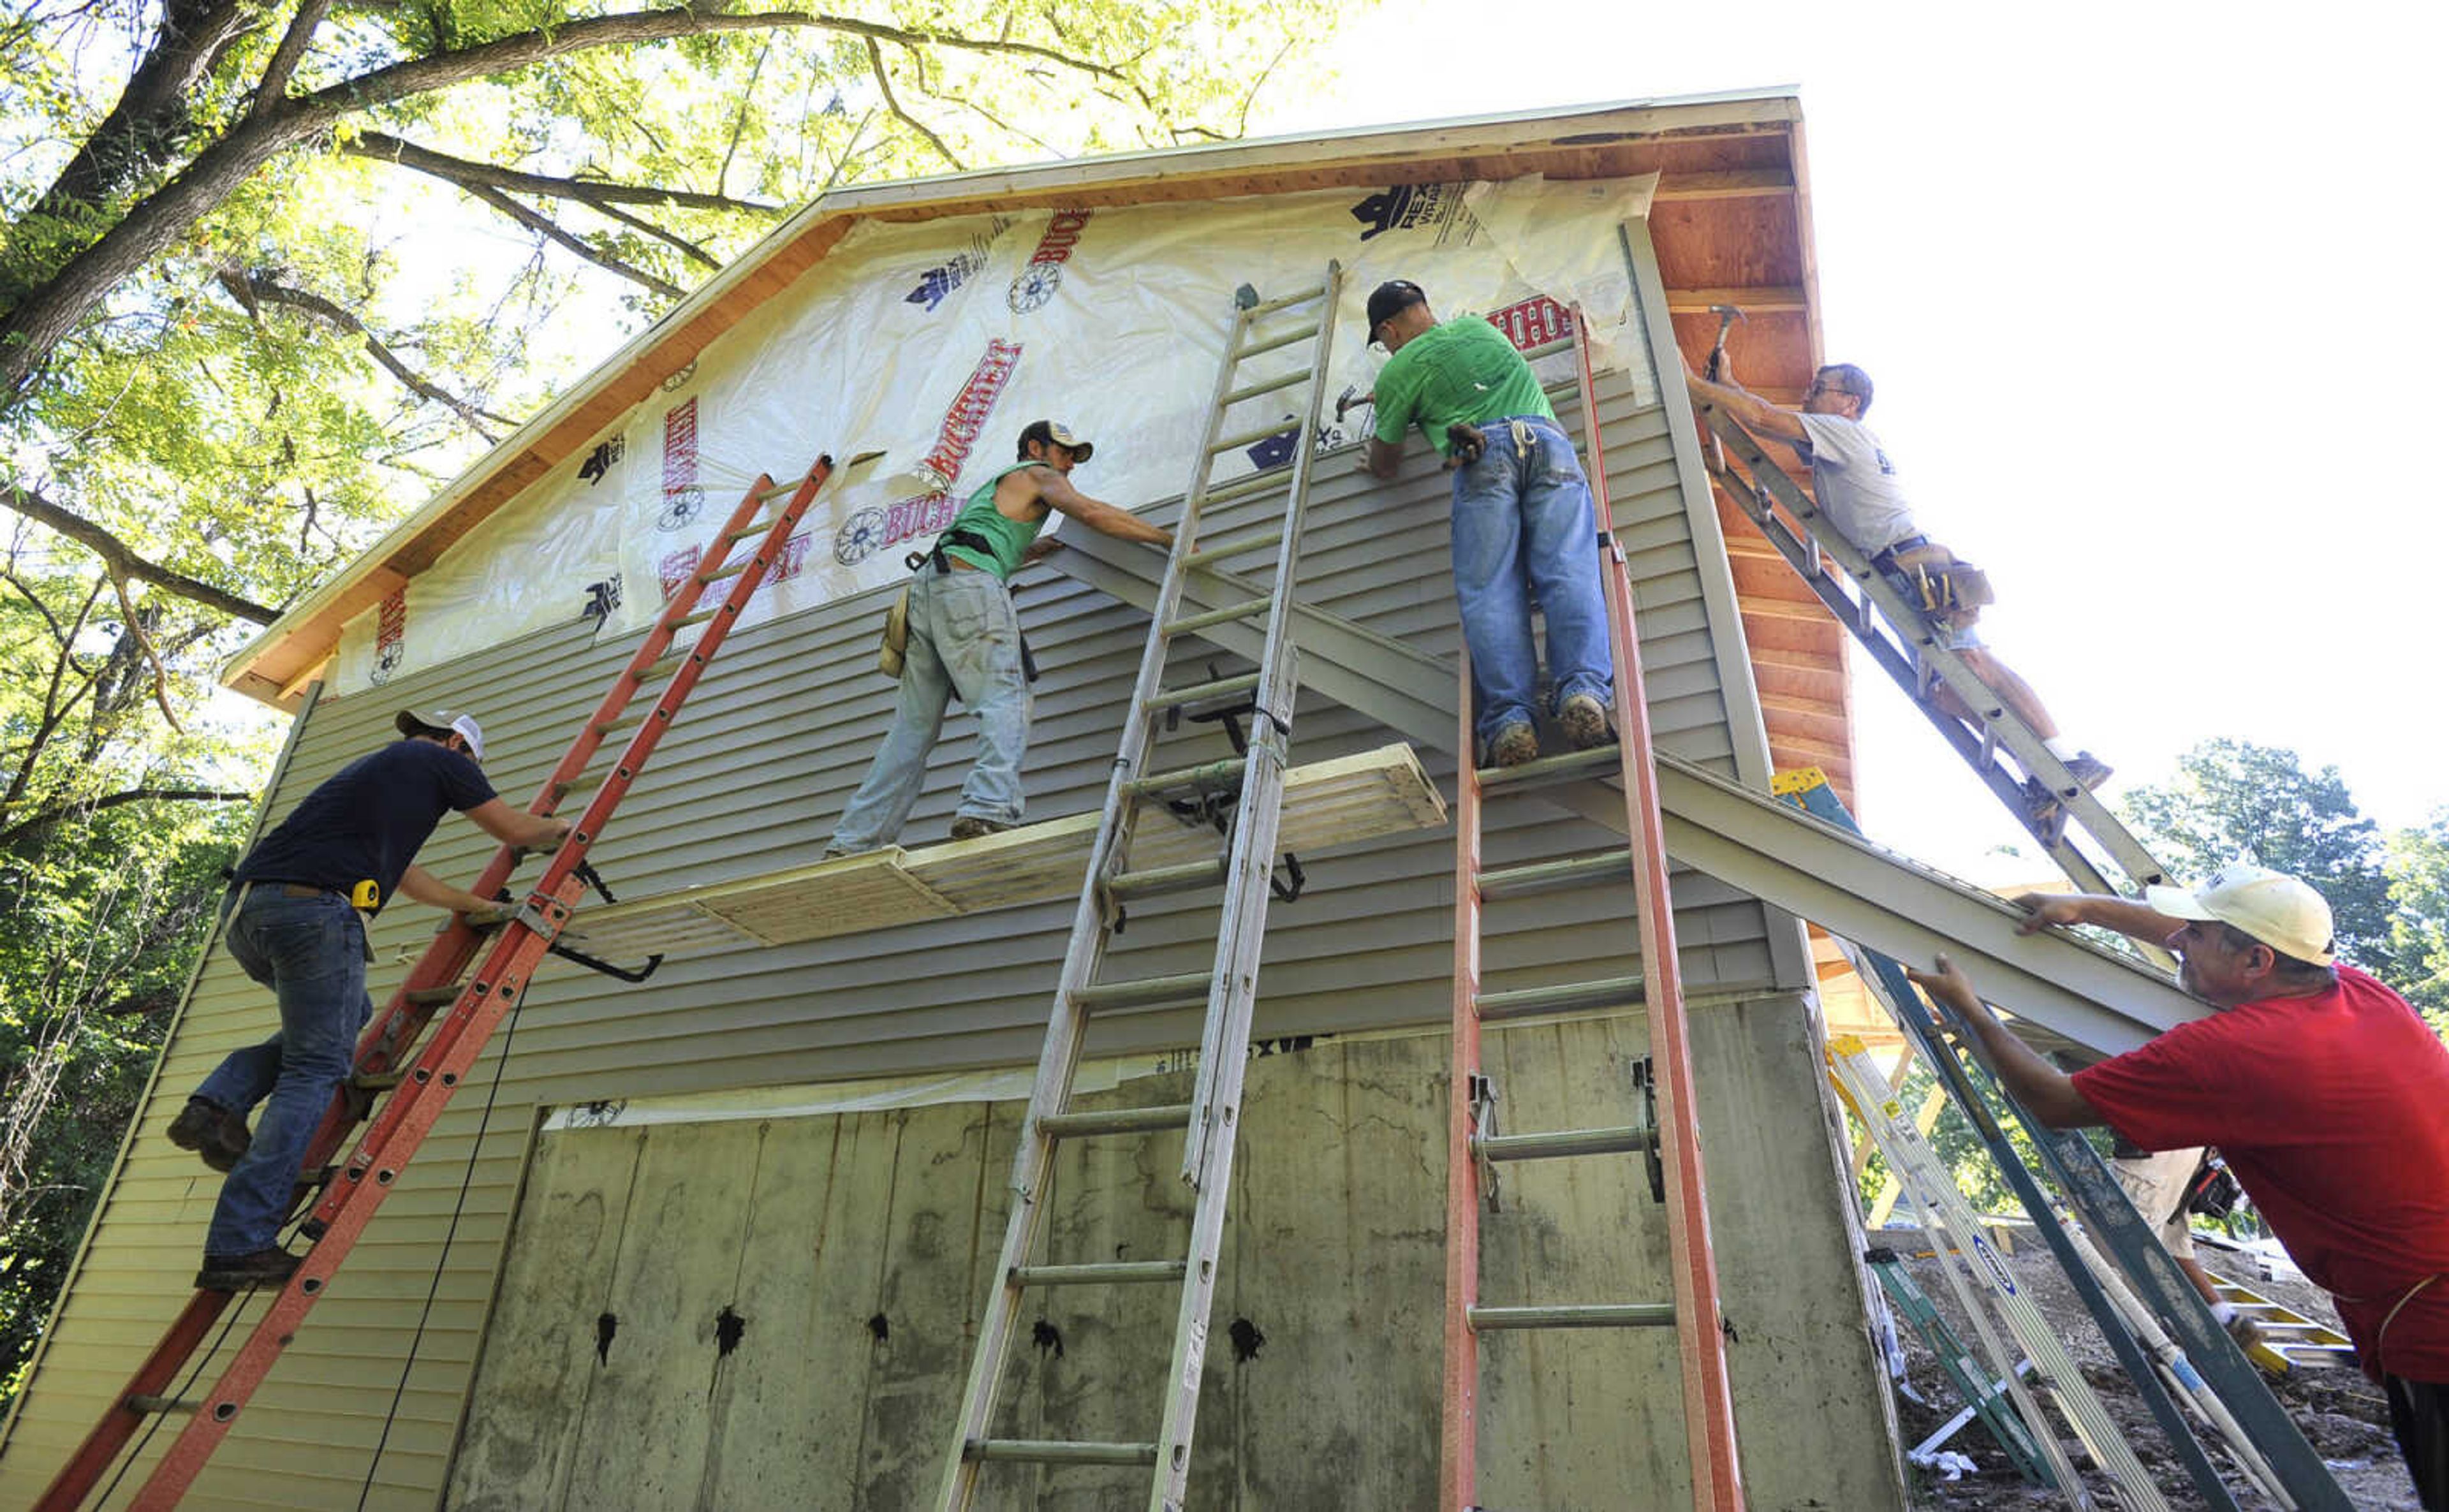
(749, 782)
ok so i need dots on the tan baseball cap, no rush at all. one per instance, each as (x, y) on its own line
(2274, 907)
(442, 721)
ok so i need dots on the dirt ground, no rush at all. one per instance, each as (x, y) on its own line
(2341, 1413)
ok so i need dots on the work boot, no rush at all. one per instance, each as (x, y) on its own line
(2088, 769)
(1585, 720)
(972, 825)
(1514, 745)
(269, 1266)
(216, 1133)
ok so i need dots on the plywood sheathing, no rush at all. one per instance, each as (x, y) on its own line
(1340, 801)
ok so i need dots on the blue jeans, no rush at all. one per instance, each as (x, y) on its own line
(1523, 524)
(964, 638)
(311, 952)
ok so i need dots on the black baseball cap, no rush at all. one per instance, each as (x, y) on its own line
(1392, 298)
(1054, 432)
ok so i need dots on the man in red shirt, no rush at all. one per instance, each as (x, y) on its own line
(2326, 1093)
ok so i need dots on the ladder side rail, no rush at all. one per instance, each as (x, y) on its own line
(1233, 991)
(1458, 1430)
(1708, 1395)
(406, 1118)
(566, 857)
(384, 1044)
(1941, 1213)
(1878, 642)
(121, 1420)
(1997, 720)
(357, 1200)
(2106, 1210)
(1253, 842)
(1066, 1022)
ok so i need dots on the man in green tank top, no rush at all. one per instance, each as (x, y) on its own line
(965, 640)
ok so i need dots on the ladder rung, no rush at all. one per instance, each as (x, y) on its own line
(1549, 349)
(1110, 1273)
(435, 996)
(1252, 437)
(699, 617)
(1213, 777)
(1059, 1451)
(779, 490)
(1267, 386)
(1572, 997)
(1201, 691)
(747, 531)
(1595, 762)
(1157, 880)
(1582, 1315)
(140, 1402)
(1115, 1121)
(729, 569)
(1273, 343)
(1145, 993)
(1266, 480)
(1271, 306)
(376, 1080)
(1514, 881)
(1561, 1142)
(1233, 546)
(1231, 611)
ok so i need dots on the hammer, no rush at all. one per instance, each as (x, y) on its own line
(1727, 315)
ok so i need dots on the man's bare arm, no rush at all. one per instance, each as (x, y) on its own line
(516, 826)
(1749, 409)
(1055, 490)
(433, 892)
(2125, 915)
(1385, 457)
(2046, 1092)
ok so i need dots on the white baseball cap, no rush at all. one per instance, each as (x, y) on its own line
(443, 721)
(2272, 906)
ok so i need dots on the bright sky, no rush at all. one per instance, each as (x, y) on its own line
(2129, 278)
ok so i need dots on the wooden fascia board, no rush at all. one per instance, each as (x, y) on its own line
(309, 631)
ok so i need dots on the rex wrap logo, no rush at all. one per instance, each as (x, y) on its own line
(879, 525)
(1043, 274)
(945, 276)
(1532, 322)
(1414, 206)
(682, 499)
(391, 636)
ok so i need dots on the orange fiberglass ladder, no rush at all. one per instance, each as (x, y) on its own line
(1671, 1141)
(474, 1003)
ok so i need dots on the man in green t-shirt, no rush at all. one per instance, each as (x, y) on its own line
(965, 639)
(1522, 518)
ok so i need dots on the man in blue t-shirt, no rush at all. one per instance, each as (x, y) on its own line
(297, 923)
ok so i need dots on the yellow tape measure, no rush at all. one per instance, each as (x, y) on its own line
(366, 895)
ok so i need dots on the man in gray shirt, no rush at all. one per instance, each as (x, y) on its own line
(1855, 485)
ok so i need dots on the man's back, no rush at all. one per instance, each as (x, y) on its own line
(368, 820)
(1461, 372)
(1855, 483)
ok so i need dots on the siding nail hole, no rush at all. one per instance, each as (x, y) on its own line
(878, 1329)
(728, 1327)
(1047, 1336)
(606, 1325)
(1246, 1339)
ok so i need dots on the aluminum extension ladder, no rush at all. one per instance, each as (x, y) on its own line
(471, 1004)
(1229, 990)
(2276, 1444)
(1910, 653)
(1670, 1143)
(1982, 1390)
(1986, 1291)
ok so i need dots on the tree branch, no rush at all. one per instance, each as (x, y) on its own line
(50, 817)
(546, 229)
(875, 66)
(144, 643)
(248, 286)
(273, 87)
(121, 562)
(439, 70)
(683, 245)
(460, 171)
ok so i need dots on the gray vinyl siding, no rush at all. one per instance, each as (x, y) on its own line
(761, 760)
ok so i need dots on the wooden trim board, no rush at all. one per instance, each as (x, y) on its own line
(1326, 804)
